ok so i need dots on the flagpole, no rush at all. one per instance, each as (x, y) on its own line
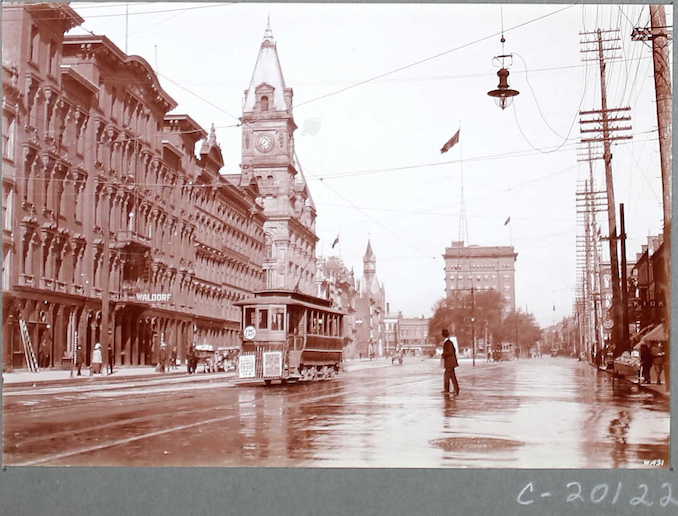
(510, 224)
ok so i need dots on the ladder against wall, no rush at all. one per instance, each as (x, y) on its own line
(31, 361)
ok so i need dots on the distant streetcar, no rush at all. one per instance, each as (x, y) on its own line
(287, 335)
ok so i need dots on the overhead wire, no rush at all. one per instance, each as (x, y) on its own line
(429, 58)
(137, 13)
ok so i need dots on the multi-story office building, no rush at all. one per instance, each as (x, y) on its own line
(481, 268)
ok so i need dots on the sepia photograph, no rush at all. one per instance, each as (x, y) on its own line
(336, 235)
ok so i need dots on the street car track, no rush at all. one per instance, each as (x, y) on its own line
(338, 390)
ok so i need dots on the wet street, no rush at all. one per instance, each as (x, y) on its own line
(538, 413)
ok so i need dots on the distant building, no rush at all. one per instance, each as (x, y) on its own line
(371, 309)
(481, 268)
(335, 282)
(391, 330)
(648, 284)
(414, 333)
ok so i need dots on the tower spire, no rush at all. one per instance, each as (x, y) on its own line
(268, 33)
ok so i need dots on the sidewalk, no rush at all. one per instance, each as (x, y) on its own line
(650, 387)
(59, 376)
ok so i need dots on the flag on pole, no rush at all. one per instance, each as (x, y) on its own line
(451, 142)
(336, 241)
(507, 221)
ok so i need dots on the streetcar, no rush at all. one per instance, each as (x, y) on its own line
(287, 335)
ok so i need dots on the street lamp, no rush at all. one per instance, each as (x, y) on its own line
(473, 338)
(503, 94)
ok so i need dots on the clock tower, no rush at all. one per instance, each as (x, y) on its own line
(269, 158)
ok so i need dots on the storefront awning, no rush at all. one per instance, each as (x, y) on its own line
(658, 333)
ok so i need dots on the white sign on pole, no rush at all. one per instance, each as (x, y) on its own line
(272, 363)
(246, 366)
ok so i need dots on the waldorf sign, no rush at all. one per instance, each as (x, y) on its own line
(153, 298)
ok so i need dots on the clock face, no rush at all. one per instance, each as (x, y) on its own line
(265, 143)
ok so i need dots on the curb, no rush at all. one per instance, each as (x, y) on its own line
(641, 386)
(89, 380)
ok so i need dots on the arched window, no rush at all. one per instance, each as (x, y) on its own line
(264, 103)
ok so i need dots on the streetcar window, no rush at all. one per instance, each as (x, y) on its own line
(249, 317)
(263, 319)
(277, 319)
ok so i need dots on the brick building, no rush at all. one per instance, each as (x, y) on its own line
(482, 268)
(114, 230)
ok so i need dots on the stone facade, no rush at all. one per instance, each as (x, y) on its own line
(269, 159)
(335, 282)
(371, 309)
(482, 268)
(115, 231)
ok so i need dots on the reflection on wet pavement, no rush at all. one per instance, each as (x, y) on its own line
(551, 412)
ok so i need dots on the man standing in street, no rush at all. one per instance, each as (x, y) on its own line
(449, 363)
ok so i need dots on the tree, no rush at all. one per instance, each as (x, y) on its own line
(521, 329)
(455, 313)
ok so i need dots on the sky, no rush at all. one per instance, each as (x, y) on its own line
(378, 89)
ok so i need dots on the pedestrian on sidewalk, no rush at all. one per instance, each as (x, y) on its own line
(97, 359)
(111, 359)
(189, 361)
(645, 362)
(173, 359)
(163, 357)
(78, 359)
(658, 361)
(450, 362)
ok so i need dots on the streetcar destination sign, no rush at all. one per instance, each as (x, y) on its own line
(250, 332)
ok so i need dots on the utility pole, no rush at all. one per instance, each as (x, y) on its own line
(126, 27)
(590, 201)
(473, 323)
(604, 133)
(624, 284)
(660, 35)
